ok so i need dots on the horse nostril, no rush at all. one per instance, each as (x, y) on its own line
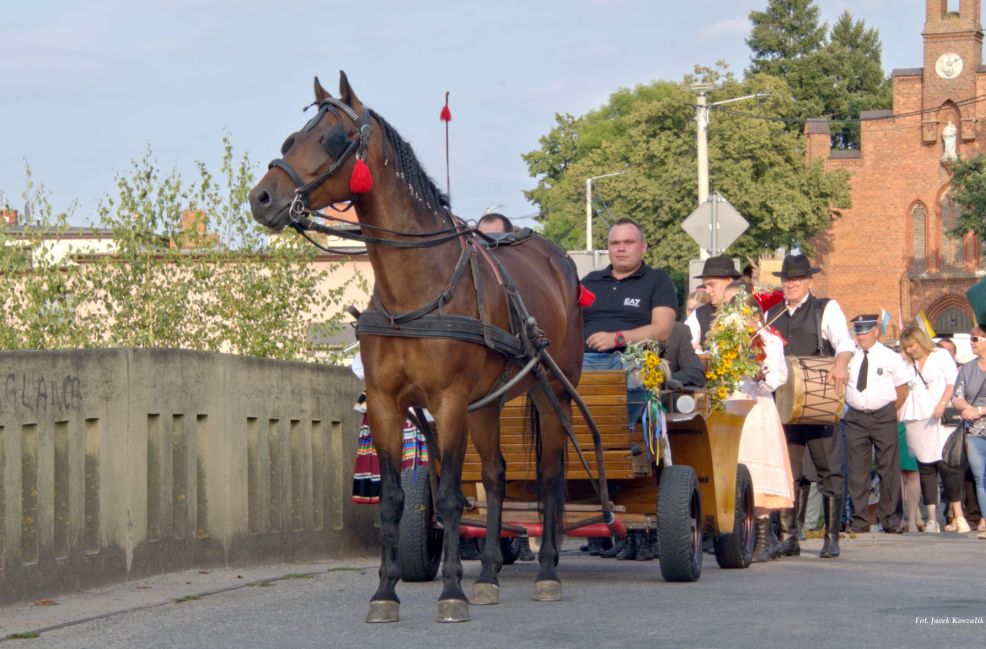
(263, 198)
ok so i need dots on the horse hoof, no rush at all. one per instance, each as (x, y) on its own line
(383, 611)
(547, 591)
(484, 594)
(453, 610)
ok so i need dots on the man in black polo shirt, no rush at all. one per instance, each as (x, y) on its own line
(634, 302)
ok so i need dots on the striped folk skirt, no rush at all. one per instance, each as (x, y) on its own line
(366, 472)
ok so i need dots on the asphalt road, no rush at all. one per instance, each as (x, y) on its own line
(914, 590)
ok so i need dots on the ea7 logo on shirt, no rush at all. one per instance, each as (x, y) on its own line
(632, 301)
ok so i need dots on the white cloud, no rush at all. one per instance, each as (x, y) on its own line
(725, 27)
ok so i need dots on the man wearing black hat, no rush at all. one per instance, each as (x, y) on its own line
(878, 378)
(813, 327)
(717, 273)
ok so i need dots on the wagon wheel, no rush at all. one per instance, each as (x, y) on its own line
(419, 543)
(679, 524)
(735, 550)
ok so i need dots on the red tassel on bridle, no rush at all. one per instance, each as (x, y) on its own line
(362, 180)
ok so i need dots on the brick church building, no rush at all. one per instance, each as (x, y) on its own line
(891, 249)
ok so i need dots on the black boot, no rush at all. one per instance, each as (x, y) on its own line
(468, 549)
(648, 546)
(524, 553)
(833, 523)
(801, 508)
(789, 533)
(613, 551)
(767, 546)
(594, 546)
(629, 551)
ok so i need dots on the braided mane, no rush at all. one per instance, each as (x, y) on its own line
(407, 167)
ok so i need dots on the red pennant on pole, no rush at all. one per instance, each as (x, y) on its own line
(446, 116)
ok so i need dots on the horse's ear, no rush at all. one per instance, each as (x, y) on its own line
(346, 93)
(321, 94)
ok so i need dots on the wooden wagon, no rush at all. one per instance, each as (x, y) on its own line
(696, 489)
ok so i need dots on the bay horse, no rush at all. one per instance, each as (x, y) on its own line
(450, 321)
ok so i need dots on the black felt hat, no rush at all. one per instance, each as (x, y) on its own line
(796, 266)
(720, 266)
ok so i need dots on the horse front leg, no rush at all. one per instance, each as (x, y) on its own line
(451, 420)
(551, 477)
(388, 441)
(484, 428)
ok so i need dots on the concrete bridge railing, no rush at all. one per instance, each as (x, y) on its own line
(120, 463)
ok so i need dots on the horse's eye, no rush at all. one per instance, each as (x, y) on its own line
(288, 143)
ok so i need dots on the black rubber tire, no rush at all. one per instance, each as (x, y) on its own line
(735, 550)
(679, 524)
(509, 548)
(419, 540)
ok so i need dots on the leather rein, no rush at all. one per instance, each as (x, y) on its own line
(525, 343)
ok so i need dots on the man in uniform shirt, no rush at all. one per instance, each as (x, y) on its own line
(717, 274)
(878, 378)
(813, 327)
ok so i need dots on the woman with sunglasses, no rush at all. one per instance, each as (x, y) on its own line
(934, 375)
(970, 400)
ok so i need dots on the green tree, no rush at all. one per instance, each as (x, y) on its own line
(969, 192)
(754, 161)
(222, 284)
(39, 290)
(833, 73)
(783, 34)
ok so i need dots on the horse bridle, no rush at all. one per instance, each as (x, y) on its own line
(300, 204)
(300, 211)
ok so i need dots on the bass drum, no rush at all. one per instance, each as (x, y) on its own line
(808, 397)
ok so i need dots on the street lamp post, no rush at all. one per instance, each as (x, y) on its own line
(588, 206)
(702, 134)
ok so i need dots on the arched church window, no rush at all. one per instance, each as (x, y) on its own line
(951, 247)
(919, 221)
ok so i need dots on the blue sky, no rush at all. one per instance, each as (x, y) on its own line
(87, 86)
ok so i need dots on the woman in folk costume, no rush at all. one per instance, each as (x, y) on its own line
(763, 446)
(366, 471)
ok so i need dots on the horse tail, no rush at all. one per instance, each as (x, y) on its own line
(535, 446)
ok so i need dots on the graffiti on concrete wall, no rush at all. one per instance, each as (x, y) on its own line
(40, 393)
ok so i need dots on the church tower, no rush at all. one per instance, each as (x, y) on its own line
(953, 53)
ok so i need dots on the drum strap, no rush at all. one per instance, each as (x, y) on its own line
(819, 309)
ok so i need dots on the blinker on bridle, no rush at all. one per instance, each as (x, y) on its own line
(338, 145)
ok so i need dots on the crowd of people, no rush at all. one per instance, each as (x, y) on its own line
(912, 418)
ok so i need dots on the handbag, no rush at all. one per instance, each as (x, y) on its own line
(954, 450)
(951, 417)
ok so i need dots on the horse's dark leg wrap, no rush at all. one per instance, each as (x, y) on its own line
(450, 503)
(391, 508)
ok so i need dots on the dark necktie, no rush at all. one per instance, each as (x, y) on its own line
(864, 369)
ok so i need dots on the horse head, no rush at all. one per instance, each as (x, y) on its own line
(320, 164)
